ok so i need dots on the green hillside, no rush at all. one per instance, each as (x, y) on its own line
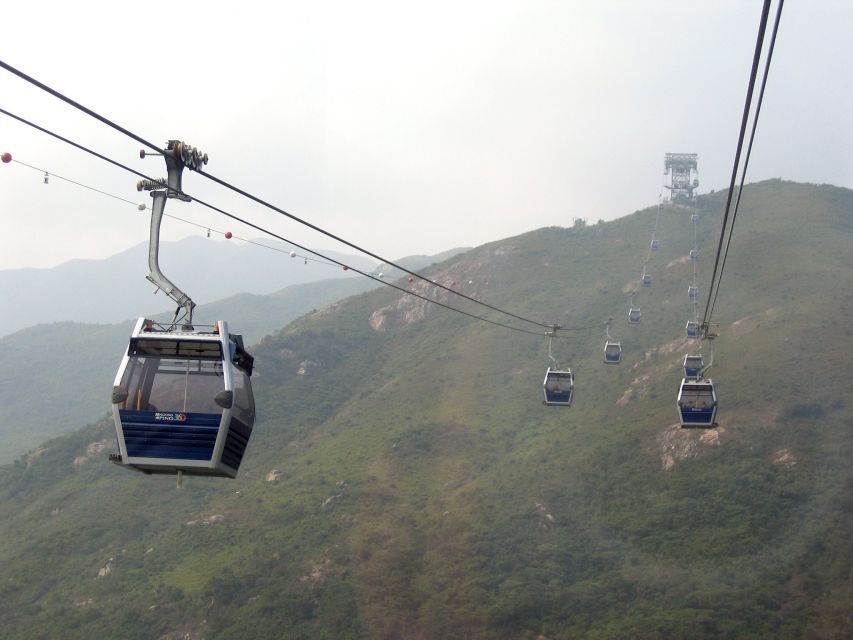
(405, 481)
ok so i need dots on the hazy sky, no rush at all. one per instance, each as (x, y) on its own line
(406, 127)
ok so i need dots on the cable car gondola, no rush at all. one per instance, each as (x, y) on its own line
(612, 348)
(694, 255)
(559, 387)
(693, 293)
(697, 404)
(182, 400)
(693, 365)
(647, 279)
(692, 329)
(655, 245)
(634, 315)
(612, 352)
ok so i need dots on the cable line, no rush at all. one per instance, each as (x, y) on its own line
(362, 249)
(283, 239)
(759, 42)
(142, 206)
(748, 150)
(76, 105)
(256, 199)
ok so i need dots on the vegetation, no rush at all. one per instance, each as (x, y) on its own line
(423, 491)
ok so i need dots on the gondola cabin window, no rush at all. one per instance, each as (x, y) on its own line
(185, 384)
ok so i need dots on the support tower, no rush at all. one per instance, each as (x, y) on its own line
(684, 176)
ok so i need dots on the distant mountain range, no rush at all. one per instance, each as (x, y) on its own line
(115, 288)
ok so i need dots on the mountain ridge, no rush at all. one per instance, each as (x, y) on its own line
(115, 288)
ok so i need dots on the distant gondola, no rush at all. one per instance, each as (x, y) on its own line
(693, 293)
(634, 315)
(697, 404)
(693, 365)
(692, 329)
(612, 352)
(559, 387)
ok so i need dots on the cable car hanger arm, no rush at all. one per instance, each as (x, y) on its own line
(177, 155)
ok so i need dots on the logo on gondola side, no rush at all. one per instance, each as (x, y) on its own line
(171, 417)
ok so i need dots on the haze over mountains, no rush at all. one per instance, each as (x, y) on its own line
(405, 481)
(115, 289)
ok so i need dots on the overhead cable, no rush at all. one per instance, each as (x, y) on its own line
(759, 43)
(256, 199)
(713, 301)
(279, 237)
(141, 205)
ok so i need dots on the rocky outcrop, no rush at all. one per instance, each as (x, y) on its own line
(545, 520)
(214, 519)
(784, 458)
(106, 569)
(92, 450)
(35, 455)
(319, 572)
(470, 277)
(306, 366)
(677, 444)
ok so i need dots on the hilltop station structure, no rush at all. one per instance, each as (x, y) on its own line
(683, 172)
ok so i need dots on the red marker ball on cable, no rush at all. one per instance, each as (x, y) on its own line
(6, 157)
(227, 235)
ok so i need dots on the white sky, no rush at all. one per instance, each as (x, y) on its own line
(405, 127)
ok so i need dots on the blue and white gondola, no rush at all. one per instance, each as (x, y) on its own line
(559, 387)
(693, 365)
(634, 315)
(697, 404)
(612, 352)
(647, 279)
(182, 401)
(693, 293)
(692, 329)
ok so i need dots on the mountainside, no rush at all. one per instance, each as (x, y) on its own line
(114, 289)
(405, 481)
